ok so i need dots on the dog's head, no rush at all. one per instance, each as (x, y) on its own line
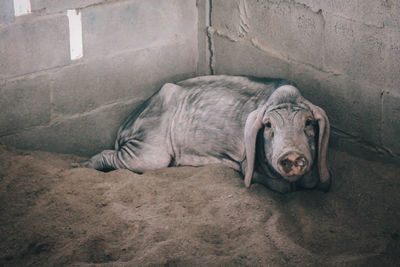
(294, 135)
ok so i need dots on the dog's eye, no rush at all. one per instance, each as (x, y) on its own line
(268, 125)
(309, 122)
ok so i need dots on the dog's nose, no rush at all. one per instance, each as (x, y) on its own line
(292, 164)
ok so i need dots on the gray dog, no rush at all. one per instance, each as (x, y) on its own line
(263, 128)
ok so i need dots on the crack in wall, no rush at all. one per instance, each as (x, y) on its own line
(243, 15)
(210, 41)
(318, 10)
(382, 123)
(211, 50)
(379, 149)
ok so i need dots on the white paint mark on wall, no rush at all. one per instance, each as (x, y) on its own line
(22, 7)
(75, 33)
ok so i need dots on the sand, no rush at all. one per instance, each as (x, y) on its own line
(52, 215)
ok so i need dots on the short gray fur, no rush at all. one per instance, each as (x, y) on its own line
(205, 120)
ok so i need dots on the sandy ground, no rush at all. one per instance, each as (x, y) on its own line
(52, 215)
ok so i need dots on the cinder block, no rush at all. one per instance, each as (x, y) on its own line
(353, 146)
(51, 6)
(355, 49)
(391, 121)
(391, 14)
(369, 12)
(83, 135)
(226, 15)
(391, 69)
(352, 107)
(242, 58)
(6, 11)
(136, 24)
(24, 103)
(38, 44)
(284, 26)
(310, 82)
(290, 28)
(203, 63)
(130, 75)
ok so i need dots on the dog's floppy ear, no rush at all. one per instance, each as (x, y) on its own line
(323, 140)
(254, 123)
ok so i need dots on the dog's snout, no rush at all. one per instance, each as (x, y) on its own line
(292, 164)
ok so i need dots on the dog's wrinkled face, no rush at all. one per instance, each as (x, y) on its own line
(290, 140)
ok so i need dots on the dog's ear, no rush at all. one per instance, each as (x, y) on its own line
(323, 140)
(254, 123)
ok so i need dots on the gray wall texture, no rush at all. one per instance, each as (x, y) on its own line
(343, 54)
(130, 48)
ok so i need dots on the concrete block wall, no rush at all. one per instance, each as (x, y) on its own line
(130, 48)
(343, 54)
